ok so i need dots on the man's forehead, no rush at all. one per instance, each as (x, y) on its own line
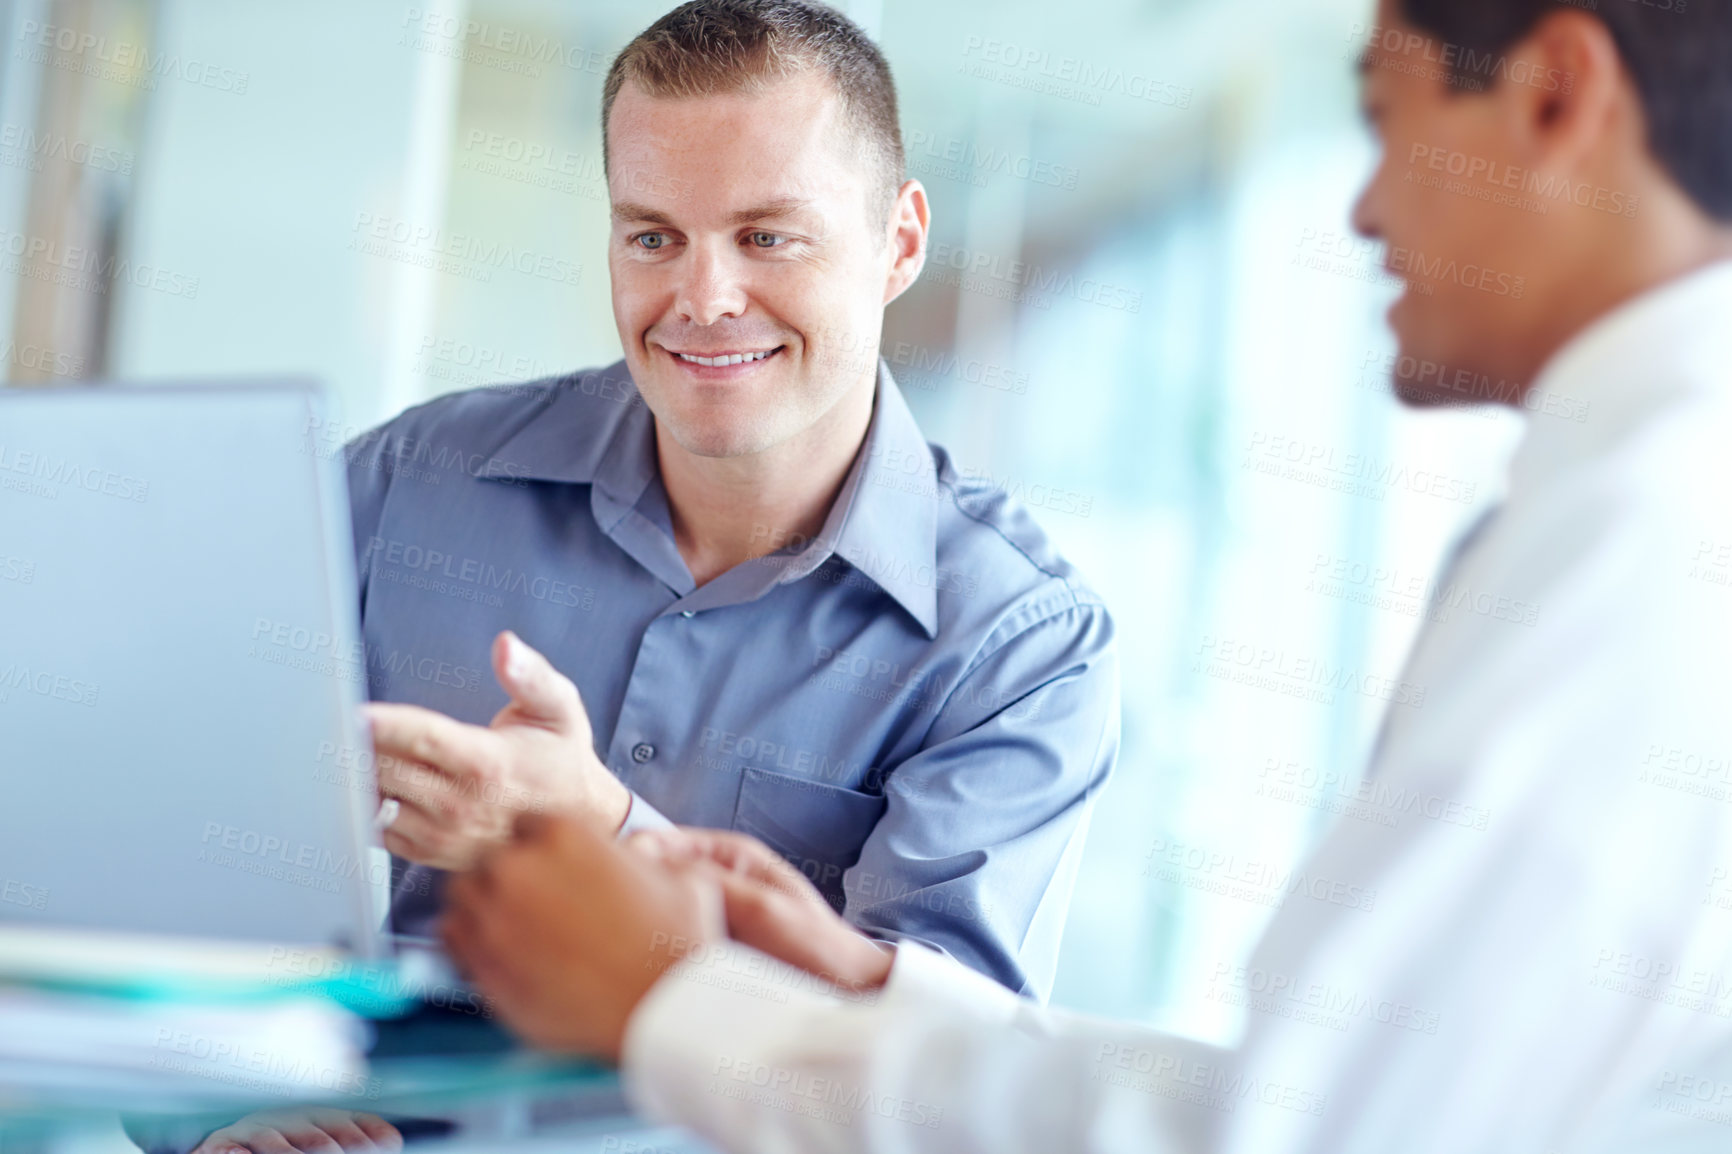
(727, 157)
(799, 106)
(1382, 71)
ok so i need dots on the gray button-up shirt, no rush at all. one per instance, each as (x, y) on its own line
(916, 708)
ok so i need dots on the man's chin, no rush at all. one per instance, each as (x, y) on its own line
(1417, 379)
(1449, 345)
(717, 439)
(1442, 380)
(1418, 395)
(721, 424)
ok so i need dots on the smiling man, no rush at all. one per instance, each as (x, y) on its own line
(772, 606)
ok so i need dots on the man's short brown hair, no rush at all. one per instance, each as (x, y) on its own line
(711, 46)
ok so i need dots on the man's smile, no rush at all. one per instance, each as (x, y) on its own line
(723, 363)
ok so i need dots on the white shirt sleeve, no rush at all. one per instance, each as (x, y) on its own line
(759, 1057)
(641, 815)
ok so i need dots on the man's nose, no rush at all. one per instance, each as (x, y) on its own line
(1365, 211)
(711, 287)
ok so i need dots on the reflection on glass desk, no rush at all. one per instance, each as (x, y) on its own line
(448, 1082)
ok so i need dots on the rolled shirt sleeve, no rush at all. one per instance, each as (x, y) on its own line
(977, 852)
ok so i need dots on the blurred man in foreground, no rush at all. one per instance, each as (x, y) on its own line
(1560, 980)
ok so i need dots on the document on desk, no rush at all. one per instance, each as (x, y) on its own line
(297, 1048)
(193, 1019)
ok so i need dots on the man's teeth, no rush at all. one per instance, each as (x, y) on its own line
(734, 359)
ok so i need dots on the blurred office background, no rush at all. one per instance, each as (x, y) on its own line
(1184, 373)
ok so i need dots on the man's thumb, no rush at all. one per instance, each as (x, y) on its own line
(536, 688)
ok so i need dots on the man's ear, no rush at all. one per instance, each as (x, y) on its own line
(1566, 83)
(910, 224)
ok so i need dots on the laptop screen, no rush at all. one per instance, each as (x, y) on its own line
(180, 667)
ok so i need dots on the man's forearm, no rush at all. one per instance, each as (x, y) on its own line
(760, 1058)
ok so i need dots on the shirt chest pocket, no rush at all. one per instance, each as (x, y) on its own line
(818, 828)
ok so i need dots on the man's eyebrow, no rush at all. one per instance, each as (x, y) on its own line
(782, 206)
(626, 210)
(771, 210)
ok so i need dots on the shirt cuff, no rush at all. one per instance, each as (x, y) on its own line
(728, 1008)
(641, 815)
(921, 976)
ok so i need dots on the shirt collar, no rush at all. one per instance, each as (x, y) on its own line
(884, 521)
(592, 424)
(1666, 345)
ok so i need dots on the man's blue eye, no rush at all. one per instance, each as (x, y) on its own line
(766, 239)
(651, 240)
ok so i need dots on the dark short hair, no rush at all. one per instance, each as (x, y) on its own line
(711, 46)
(1678, 51)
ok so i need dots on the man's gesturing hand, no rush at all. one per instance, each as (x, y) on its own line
(300, 1130)
(772, 907)
(461, 786)
(565, 931)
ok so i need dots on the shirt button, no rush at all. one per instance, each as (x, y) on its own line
(642, 752)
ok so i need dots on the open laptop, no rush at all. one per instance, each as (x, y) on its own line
(180, 669)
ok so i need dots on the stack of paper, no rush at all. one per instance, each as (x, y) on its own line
(78, 1010)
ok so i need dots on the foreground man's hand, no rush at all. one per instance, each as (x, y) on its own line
(305, 1131)
(461, 786)
(566, 931)
(772, 907)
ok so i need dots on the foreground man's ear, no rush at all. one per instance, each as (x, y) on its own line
(1560, 126)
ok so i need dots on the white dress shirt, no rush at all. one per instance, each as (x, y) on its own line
(1548, 964)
